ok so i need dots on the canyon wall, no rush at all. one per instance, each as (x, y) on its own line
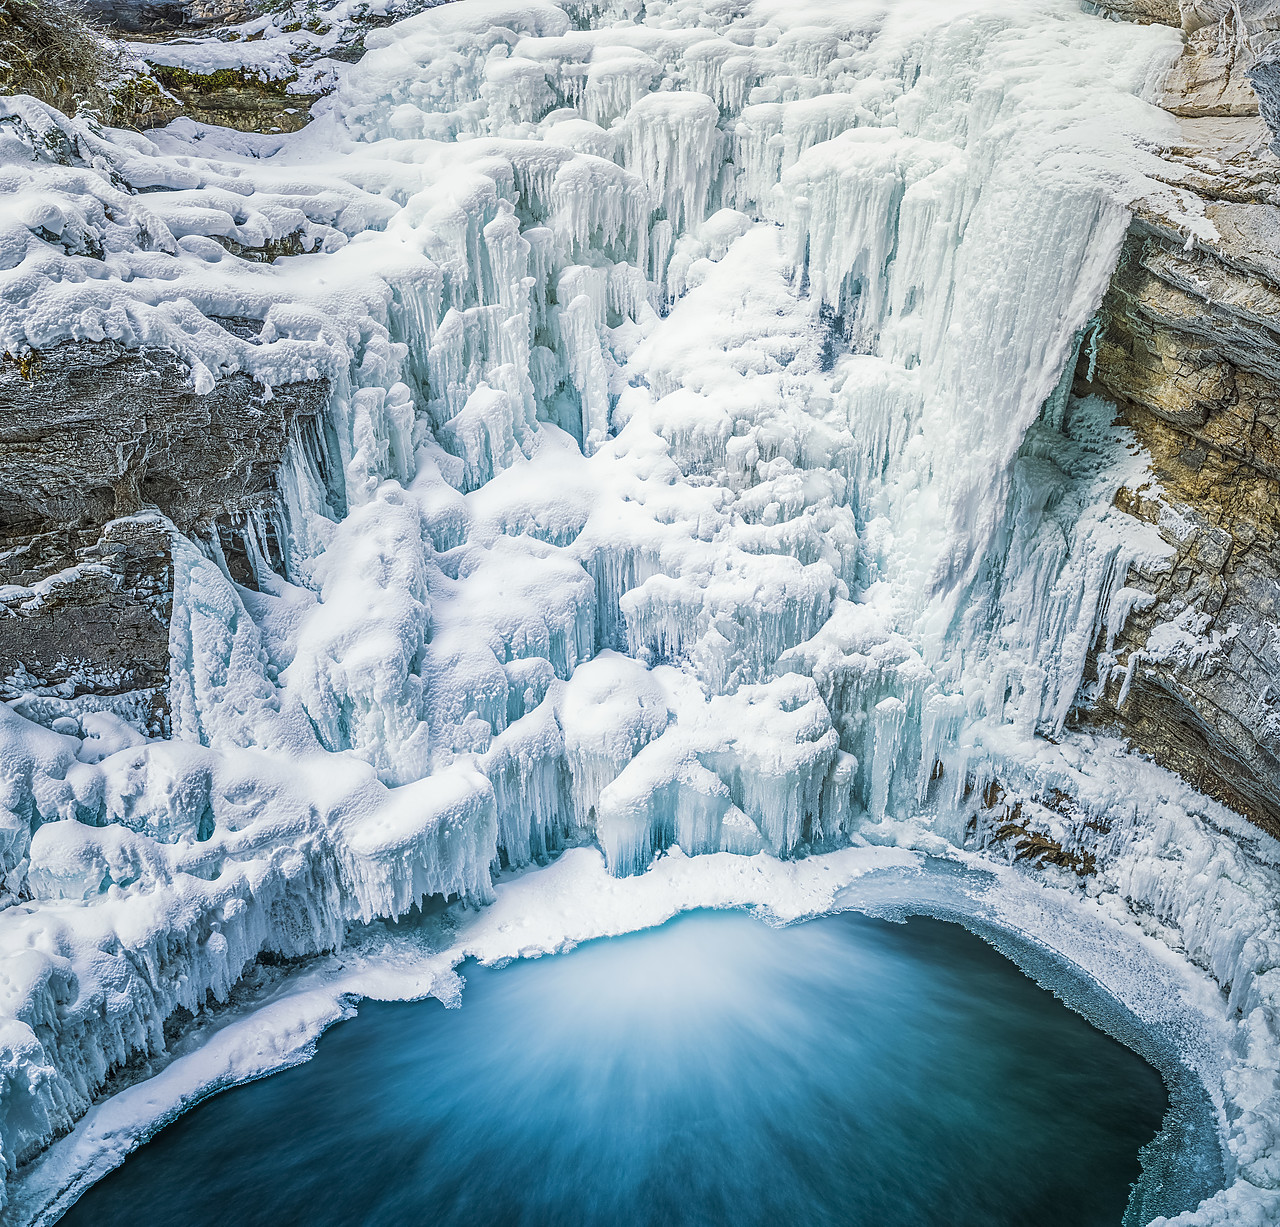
(1187, 345)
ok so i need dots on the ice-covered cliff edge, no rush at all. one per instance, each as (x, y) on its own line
(699, 469)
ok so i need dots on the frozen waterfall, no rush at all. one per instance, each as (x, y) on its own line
(700, 471)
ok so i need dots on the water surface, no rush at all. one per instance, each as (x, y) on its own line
(717, 1071)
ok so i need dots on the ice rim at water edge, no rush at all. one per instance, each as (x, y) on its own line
(700, 472)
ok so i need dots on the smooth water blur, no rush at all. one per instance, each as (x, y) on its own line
(714, 1071)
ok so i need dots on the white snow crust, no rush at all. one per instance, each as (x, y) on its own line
(700, 478)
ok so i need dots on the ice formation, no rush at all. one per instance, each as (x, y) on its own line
(700, 471)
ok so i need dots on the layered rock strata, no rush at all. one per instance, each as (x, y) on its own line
(1187, 344)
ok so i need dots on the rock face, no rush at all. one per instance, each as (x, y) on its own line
(1265, 76)
(157, 16)
(104, 453)
(84, 621)
(1225, 41)
(1188, 346)
(290, 55)
(229, 98)
(92, 431)
(135, 18)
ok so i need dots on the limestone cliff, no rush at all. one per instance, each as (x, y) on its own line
(1187, 344)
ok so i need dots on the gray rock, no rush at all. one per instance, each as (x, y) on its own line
(1264, 76)
(105, 453)
(86, 615)
(1189, 351)
(90, 431)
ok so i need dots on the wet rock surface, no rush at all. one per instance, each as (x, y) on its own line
(94, 431)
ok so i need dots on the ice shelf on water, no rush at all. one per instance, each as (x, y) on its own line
(700, 471)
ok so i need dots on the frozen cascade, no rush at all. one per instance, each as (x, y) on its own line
(700, 471)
